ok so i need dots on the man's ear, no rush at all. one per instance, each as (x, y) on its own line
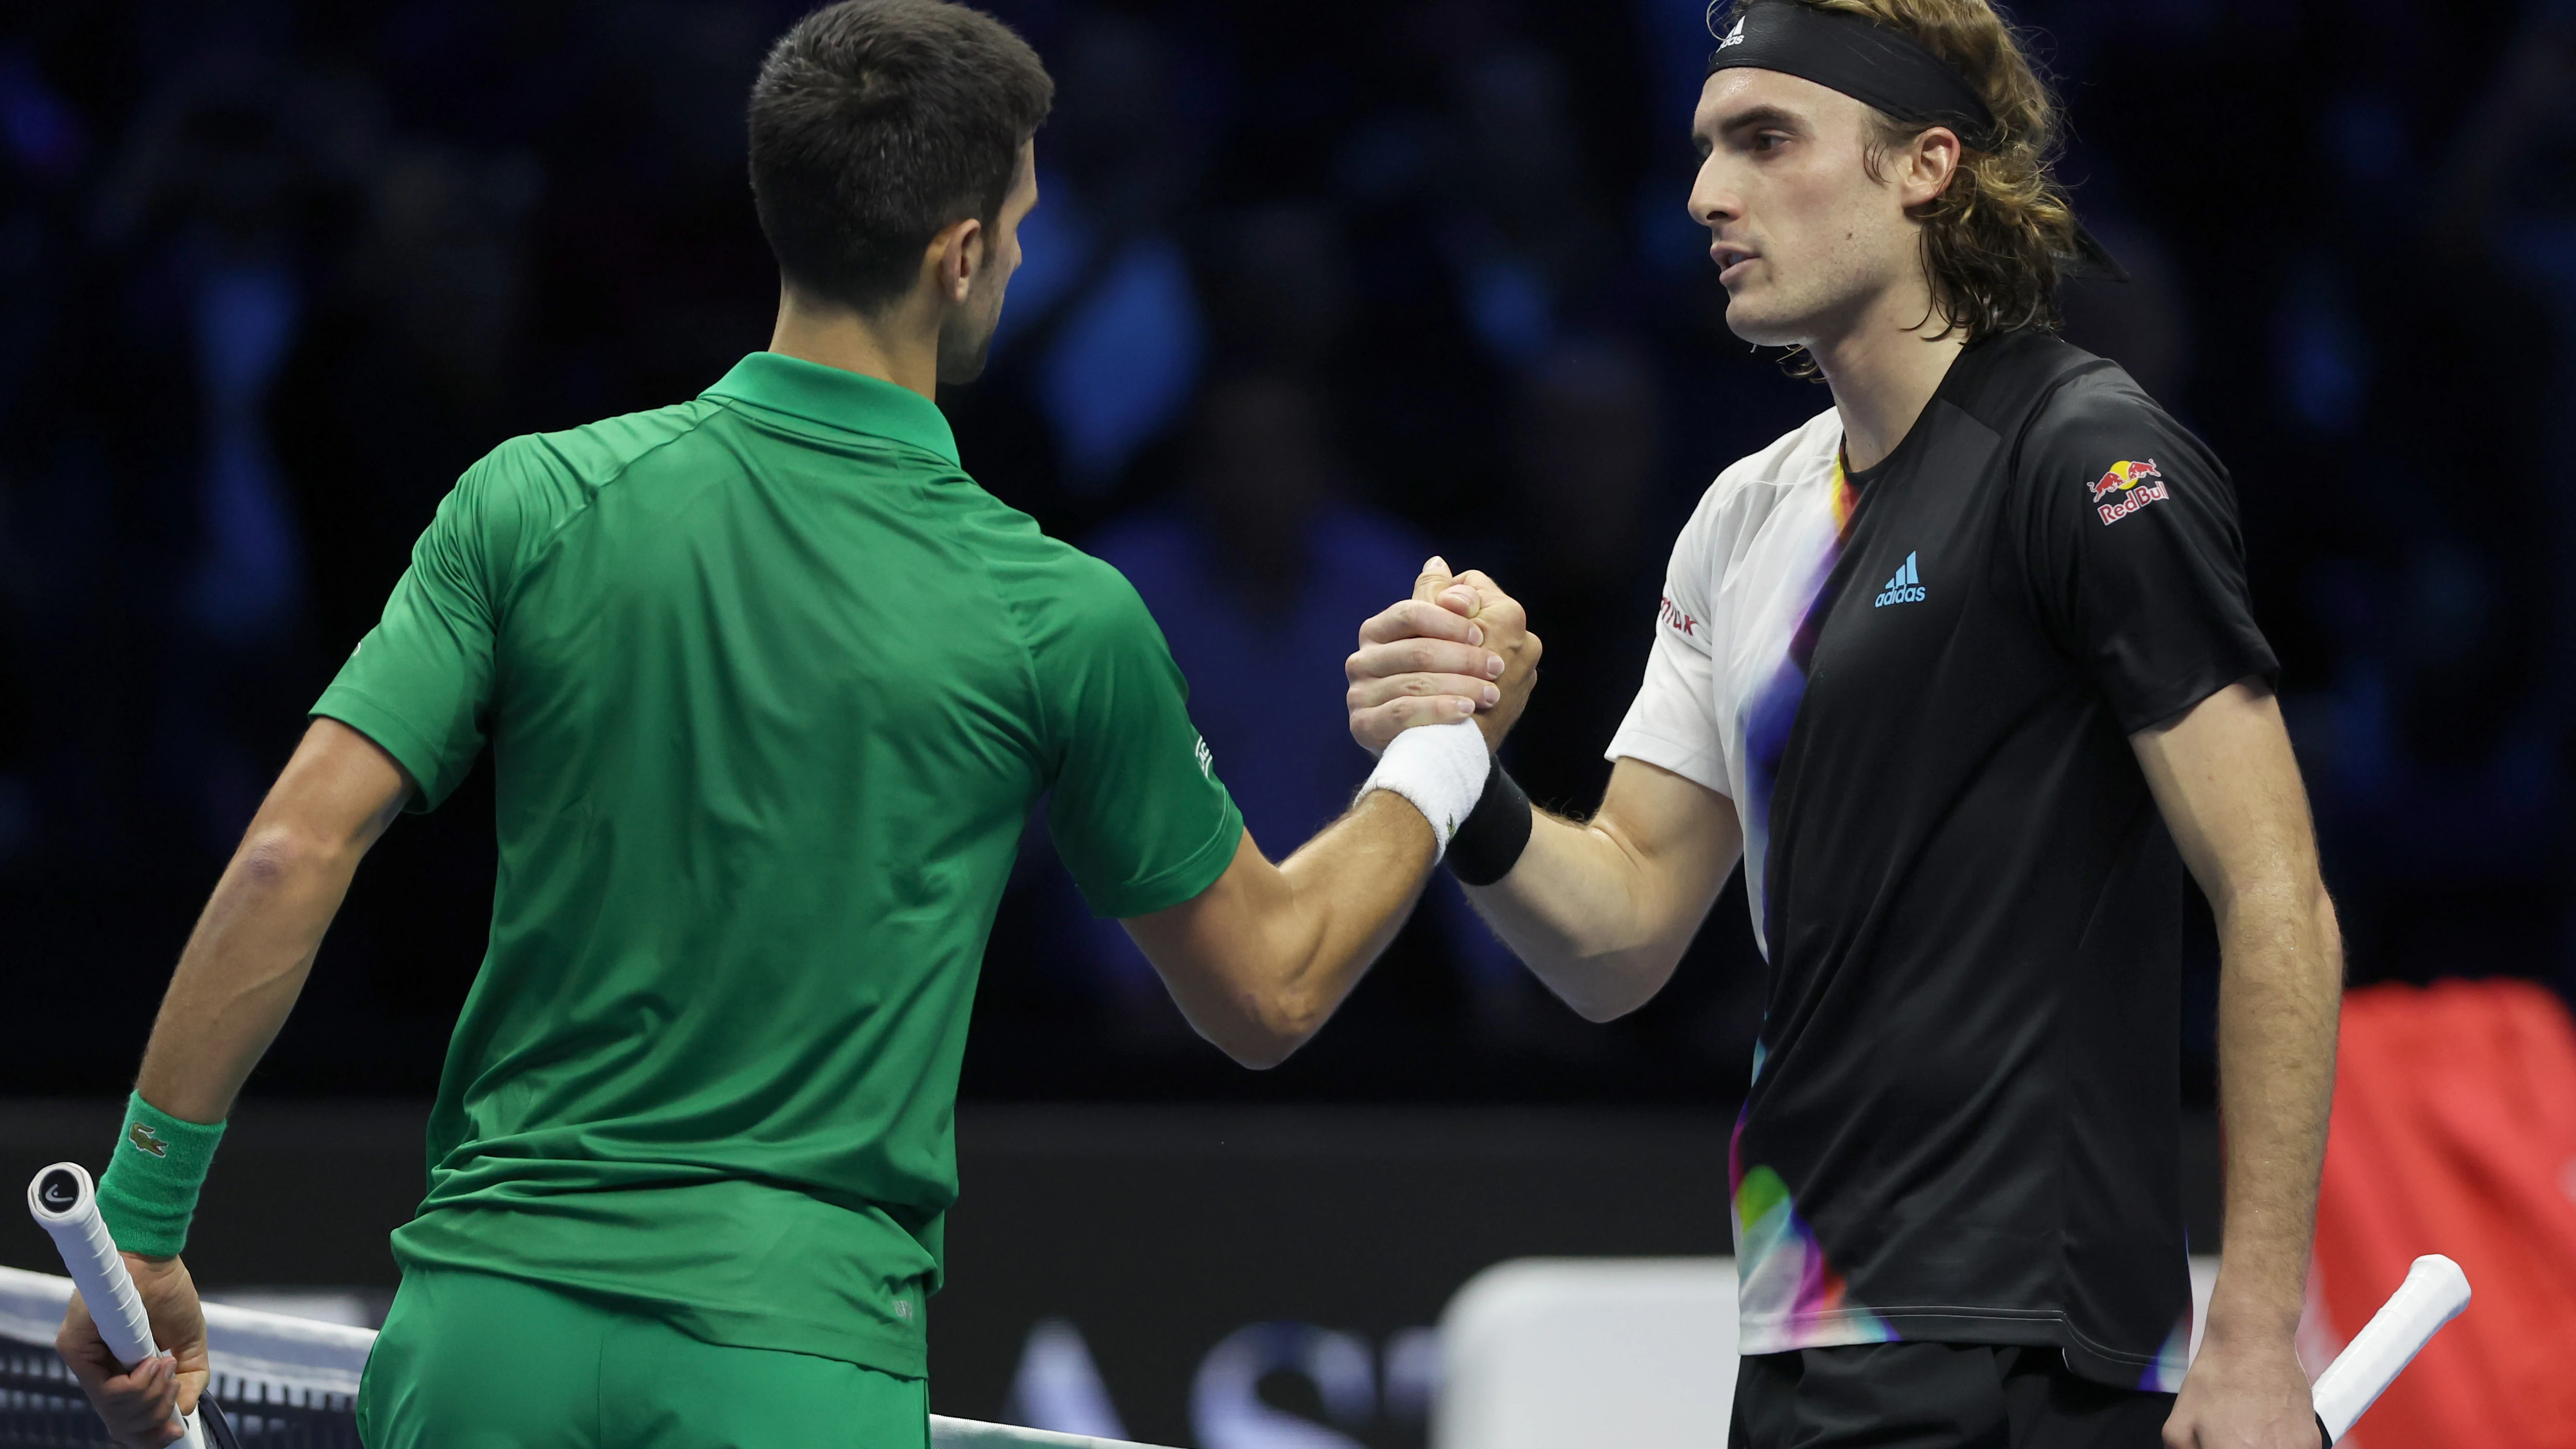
(954, 256)
(1931, 164)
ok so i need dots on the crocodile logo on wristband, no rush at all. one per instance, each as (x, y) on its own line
(146, 1140)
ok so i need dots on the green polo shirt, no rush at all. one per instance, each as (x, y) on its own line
(771, 687)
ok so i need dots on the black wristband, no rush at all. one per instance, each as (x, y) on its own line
(1490, 840)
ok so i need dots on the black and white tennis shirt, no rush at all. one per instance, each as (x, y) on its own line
(1917, 685)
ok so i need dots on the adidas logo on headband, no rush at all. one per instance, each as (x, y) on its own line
(1735, 36)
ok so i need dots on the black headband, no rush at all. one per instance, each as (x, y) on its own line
(1881, 68)
(1860, 58)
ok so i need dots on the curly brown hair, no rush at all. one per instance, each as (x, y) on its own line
(1999, 238)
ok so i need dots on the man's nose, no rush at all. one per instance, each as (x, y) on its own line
(1711, 204)
(1712, 209)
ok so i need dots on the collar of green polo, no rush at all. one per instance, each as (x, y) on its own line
(847, 401)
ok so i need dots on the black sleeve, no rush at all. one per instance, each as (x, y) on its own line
(2136, 558)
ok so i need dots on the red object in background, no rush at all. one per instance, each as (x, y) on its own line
(2455, 1132)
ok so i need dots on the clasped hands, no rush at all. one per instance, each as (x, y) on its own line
(1460, 648)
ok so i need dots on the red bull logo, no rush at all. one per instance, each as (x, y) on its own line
(2125, 475)
(2130, 485)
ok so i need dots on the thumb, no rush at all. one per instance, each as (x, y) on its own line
(1434, 578)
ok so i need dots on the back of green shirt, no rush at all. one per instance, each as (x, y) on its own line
(771, 687)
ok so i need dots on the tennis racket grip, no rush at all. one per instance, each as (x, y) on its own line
(65, 1204)
(2433, 1294)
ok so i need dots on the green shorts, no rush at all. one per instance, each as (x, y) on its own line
(470, 1361)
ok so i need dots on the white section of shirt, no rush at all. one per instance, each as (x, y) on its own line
(1743, 574)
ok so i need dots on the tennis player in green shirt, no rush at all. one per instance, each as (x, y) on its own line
(771, 687)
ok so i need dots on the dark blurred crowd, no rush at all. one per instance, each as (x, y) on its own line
(1315, 290)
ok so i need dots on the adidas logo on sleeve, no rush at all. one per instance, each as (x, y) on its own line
(1905, 588)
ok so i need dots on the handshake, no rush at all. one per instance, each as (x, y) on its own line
(1459, 648)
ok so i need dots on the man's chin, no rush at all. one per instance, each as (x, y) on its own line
(958, 369)
(1761, 326)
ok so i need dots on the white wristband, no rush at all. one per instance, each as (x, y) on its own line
(1441, 769)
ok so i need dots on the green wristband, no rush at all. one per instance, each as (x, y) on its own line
(149, 1190)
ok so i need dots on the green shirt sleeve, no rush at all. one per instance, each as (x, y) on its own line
(1137, 812)
(420, 683)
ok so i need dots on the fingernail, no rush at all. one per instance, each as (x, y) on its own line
(1493, 695)
(1437, 565)
(1475, 635)
(1493, 666)
(1465, 706)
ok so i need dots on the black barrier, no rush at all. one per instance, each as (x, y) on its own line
(1197, 1272)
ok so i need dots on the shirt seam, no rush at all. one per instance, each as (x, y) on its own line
(2057, 1316)
(1619, 751)
(589, 500)
(389, 716)
(732, 404)
(1132, 898)
(2205, 677)
(2092, 1345)
(1029, 677)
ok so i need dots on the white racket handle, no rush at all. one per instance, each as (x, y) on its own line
(65, 1204)
(2433, 1294)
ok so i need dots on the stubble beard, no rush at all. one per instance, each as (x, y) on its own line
(966, 341)
(1769, 317)
(1837, 294)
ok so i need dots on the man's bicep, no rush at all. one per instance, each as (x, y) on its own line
(1673, 721)
(1137, 810)
(420, 684)
(2227, 783)
(2139, 563)
(1684, 834)
(1193, 939)
(339, 786)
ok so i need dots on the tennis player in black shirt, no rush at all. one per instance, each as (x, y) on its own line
(1963, 670)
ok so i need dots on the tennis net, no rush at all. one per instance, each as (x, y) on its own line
(286, 1383)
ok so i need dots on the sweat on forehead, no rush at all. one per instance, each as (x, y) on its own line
(1733, 100)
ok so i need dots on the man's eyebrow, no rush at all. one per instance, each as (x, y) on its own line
(1703, 138)
(1765, 115)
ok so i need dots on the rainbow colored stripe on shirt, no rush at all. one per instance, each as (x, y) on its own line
(1787, 1294)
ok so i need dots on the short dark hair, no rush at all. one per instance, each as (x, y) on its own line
(877, 123)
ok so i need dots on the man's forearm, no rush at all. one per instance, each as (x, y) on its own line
(1353, 887)
(1577, 910)
(242, 969)
(1601, 910)
(1262, 958)
(2280, 986)
(247, 958)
